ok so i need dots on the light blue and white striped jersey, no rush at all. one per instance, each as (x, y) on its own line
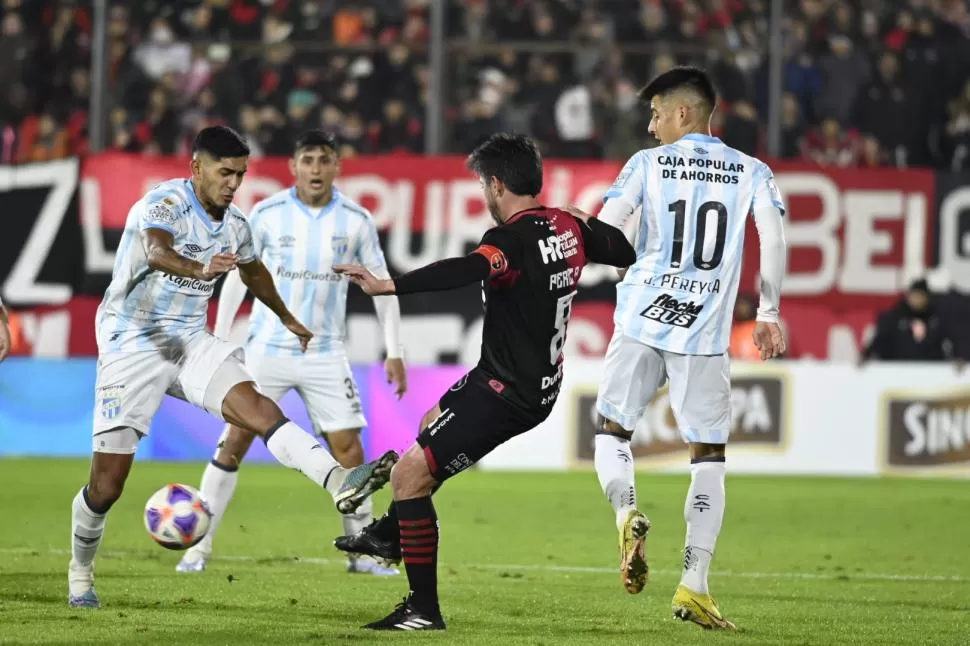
(300, 245)
(143, 306)
(695, 196)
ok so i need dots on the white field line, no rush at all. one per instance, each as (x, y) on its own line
(806, 576)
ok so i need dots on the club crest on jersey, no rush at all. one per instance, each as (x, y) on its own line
(340, 244)
(110, 401)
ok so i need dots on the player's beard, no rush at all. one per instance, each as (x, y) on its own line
(493, 209)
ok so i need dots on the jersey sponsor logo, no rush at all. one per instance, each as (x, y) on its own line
(927, 431)
(496, 385)
(340, 244)
(286, 242)
(559, 247)
(109, 400)
(200, 287)
(497, 262)
(458, 464)
(759, 420)
(681, 284)
(668, 310)
(306, 274)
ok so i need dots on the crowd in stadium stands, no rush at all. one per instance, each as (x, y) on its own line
(867, 82)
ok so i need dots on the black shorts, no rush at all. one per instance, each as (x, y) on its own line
(476, 417)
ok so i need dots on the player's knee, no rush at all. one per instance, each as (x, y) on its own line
(609, 427)
(105, 489)
(700, 452)
(410, 477)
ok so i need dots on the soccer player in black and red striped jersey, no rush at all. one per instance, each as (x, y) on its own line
(529, 265)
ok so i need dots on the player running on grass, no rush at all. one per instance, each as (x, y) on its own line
(673, 316)
(299, 233)
(178, 240)
(529, 265)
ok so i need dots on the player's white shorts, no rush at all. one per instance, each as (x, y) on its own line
(130, 385)
(700, 388)
(325, 383)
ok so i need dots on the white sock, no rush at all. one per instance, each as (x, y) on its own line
(613, 460)
(704, 512)
(87, 528)
(218, 486)
(358, 520)
(297, 449)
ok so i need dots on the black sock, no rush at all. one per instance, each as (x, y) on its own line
(419, 547)
(387, 528)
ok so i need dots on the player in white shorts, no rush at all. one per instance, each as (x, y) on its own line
(151, 335)
(673, 316)
(299, 234)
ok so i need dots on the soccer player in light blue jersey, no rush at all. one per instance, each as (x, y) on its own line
(673, 316)
(299, 234)
(152, 341)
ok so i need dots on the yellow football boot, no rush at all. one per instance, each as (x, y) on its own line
(633, 554)
(698, 608)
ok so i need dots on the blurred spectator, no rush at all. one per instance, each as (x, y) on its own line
(563, 70)
(913, 330)
(830, 145)
(742, 345)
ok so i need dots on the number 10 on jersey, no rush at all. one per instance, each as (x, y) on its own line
(706, 212)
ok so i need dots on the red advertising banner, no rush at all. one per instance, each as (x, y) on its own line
(855, 239)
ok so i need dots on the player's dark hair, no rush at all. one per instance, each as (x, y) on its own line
(513, 159)
(681, 78)
(315, 139)
(219, 142)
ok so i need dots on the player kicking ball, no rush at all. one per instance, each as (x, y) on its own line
(178, 240)
(299, 233)
(673, 317)
(529, 265)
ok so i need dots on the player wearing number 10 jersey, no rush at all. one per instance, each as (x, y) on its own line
(529, 266)
(673, 316)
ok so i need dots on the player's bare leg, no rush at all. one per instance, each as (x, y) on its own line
(109, 472)
(413, 484)
(704, 512)
(218, 486)
(349, 452)
(613, 460)
(251, 411)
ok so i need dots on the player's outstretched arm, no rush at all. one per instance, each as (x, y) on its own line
(162, 257)
(438, 276)
(257, 278)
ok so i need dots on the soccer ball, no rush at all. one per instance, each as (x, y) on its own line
(177, 517)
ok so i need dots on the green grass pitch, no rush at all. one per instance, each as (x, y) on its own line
(526, 558)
